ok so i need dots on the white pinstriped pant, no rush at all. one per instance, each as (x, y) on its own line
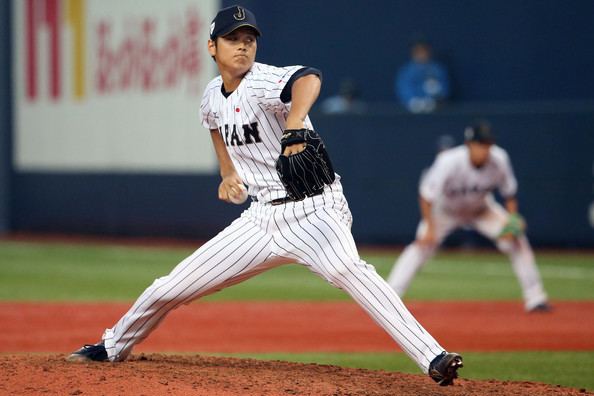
(314, 232)
(489, 223)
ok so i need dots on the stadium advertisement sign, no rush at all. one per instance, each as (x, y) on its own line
(111, 85)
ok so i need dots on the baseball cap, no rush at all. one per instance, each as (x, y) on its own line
(479, 132)
(230, 18)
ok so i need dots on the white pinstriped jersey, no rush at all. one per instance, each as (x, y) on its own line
(457, 186)
(251, 121)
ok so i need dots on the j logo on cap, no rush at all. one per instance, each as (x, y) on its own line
(240, 15)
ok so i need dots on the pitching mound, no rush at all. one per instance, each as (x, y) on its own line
(176, 375)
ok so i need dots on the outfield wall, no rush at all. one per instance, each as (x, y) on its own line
(380, 158)
(5, 118)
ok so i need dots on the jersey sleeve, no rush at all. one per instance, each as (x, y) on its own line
(285, 96)
(273, 86)
(432, 182)
(207, 115)
(508, 185)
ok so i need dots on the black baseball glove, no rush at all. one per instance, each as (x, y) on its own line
(304, 174)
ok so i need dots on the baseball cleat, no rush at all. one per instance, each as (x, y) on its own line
(444, 368)
(89, 353)
(542, 307)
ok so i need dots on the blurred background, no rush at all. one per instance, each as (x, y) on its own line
(100, 125)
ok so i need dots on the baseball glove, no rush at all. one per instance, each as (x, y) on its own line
(304, 174)
(514, 226)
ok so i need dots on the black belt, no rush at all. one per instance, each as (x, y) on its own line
(281, 201)
(284, 200)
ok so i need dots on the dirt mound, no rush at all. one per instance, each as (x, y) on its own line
(156, 374)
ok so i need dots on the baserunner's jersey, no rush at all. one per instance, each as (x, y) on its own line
(251, 121)
(455, 185)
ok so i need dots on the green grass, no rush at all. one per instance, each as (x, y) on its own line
(53, 272)
(488, 276)
(572, 369)
(62, 272)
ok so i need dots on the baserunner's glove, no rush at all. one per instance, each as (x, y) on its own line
(514, 226)
(304, 174)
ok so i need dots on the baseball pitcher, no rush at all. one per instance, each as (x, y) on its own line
(257, 115)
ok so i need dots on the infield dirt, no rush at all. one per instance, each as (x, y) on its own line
(261, 327)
